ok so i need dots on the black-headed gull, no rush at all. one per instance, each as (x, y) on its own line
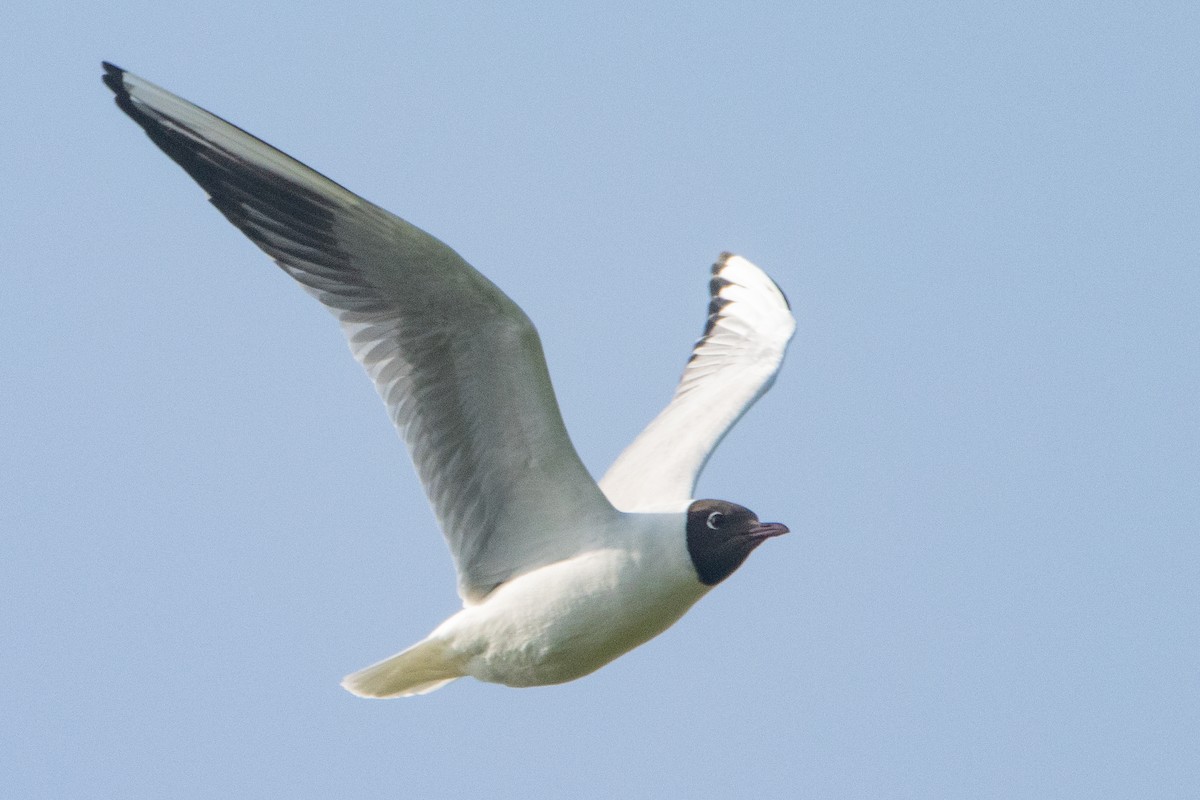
(555, 580)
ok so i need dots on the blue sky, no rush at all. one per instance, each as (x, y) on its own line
(985, 436)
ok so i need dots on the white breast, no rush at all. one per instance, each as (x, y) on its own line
(565, 620)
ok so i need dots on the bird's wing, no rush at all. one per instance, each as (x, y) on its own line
(749, 326)
(458, 364)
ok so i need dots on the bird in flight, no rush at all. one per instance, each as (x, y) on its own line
(558, 574)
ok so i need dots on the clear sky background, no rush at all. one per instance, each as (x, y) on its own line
(985, 437)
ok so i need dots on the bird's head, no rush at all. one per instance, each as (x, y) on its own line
(720, 535)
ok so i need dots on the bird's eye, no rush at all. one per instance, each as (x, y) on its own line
(714, 520)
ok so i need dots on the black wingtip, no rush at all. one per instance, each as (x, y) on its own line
(720, 263)
(114, 77)
(723, 259)
(716, 302)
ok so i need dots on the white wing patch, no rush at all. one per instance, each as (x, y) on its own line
(734, 363)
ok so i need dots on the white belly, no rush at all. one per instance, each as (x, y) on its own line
(565, 620)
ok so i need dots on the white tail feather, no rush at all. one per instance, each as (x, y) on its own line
(418, 670)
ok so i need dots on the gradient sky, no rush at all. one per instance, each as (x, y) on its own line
(985, 437)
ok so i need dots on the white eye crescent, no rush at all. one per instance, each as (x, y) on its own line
(714, 520)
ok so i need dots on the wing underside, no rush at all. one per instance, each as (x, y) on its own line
(458, 364)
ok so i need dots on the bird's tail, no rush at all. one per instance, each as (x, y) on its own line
(418, 670)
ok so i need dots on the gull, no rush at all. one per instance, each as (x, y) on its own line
(558, 574)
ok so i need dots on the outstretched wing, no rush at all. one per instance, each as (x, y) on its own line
(749, 326)
(458, 364)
